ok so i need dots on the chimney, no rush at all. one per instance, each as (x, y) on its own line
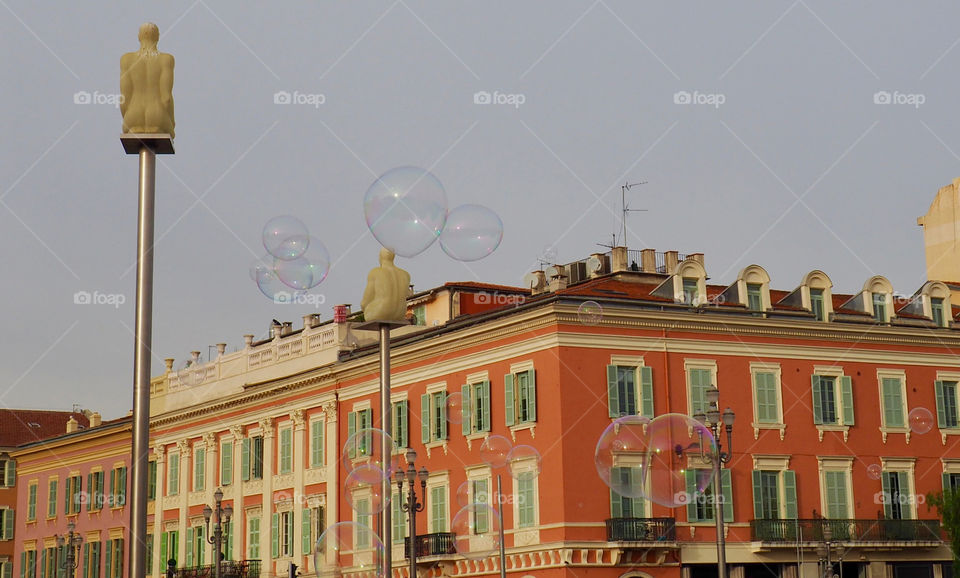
(698, 257)
(275, 331)
(539, 285)
(340, 313)
(310, 321)
(670, 261)
(286, 328)
(72, 425)
(597, 272)
(248, 340)
(95, 419)
(648, 260)
(618, 259)
(559, 280)
(221, 348)
(169, 363)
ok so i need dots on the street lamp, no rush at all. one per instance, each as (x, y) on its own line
(715, 422)
(824, 550)
(223, 514)
(72, 543)
(412, 505)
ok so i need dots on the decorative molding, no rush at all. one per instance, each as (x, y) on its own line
(184, 447)
(210, 440)
(266, 427)
(297, 416)
(237, 432)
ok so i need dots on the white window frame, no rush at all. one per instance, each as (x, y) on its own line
(908, 466)
(516, 368)
(519, 466)
(944, 432)
(636, 362)
(837, 373)
(817, 279)
(754, 275)
(776, 463)
(884, 428)
(774, 368)
(431, 389)
(437, 480)
(690, 269)
(688, 364)
(472, 380)
(836, 464)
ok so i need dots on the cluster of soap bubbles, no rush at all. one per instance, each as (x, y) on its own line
(638, 457)
(406, 210)
(295, 261)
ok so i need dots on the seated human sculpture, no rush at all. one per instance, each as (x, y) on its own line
(385, 298)
(146, 87)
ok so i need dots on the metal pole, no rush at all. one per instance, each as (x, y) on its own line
(141, 363)
(503, 548)
(718, 515)
(412, 505)
(217, 538)
(385, 411)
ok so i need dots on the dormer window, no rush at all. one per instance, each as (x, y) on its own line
(880, 308)
(690, 290)
(938, 312)
(816, 304)
(754, 297)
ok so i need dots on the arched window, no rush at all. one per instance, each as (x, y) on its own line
(878, 298)
(935, 297)
(753, 287)
(690, 283)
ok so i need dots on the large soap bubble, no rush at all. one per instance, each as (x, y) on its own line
(672, 440)
(306, 271)
(494, 451)
(471, 232)
(406, 209)
(285, 237)
(524, 462)
(348, 545)
(365, 447)
(621, 455)
(455, 408)
(364, 489)
(477, 530)
(273, 288)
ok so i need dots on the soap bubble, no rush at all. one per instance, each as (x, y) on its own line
(364, 447)
(364, 489)
(671, 439)
(455, 408)
(874, 471)
(471, 232)
(294, 273)
(494, 451)
(589, 313)
(348, 545)
(477, 530)
(524, 462)
(274, 289)
(285, 237)
(463, 493)
(259, 266)
(921, 420)
(406, 209)
(621, 454)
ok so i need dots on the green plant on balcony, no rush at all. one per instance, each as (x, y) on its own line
(947, 504)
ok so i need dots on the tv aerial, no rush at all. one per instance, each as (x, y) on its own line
(625, 209)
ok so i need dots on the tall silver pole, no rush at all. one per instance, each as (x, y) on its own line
(503, 548)
(718, 515)
(385, 411)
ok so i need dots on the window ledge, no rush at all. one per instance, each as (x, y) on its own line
(530, 425)
(480, 435)
(824, 427)
(437, 444)
(948, 431)
(885, 431)
(782, 427)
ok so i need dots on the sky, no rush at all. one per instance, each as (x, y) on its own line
(797, 135)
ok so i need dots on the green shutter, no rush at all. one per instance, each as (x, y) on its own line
(351, 429)
(691, 486)
(790, 494)
(286, 451)
(149, 554)
(8, 520)
(109, 559)
(99, 498)
(616, 505)
(887, 496)
(11, 474)
(245, 459)
(226, 463)
(189, 547)
(163, 551)
(941, 406)
(892, 402)
(123, 485)
(817, 410)
(486, 406)
(613, 392)
(836, 494)
(305, 540)
(275, 535)
(425, 418)
(646, 392)
(466, 397)
(67, 498)
(532, 395)
(403, 419)
(23, 565)
(444, 417)
(316, 444)
(727, 493)
(757, 495)
(508, 399)
(846, 389)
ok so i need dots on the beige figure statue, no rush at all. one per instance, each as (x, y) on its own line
(385, 298)
(146, 84)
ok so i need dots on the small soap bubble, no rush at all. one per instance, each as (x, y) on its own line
(494, 451)
(455, 408)
(874, 471)
(589, 313)
(365, 447)
(364, 489)
(921, 420)
(471, 233)
(285, 237)
(524, 462)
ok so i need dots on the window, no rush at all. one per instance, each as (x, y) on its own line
(169, 545)
(251, 458)
(699, 380)
(832, 405)
(151, 480)
(520, 397)
(52, 499)
(48, 563)
(72, 495)
(149, 548)
(946, 393)
(754, 298)
(226, 462)
(95, 489)
(438, 509)
(433, 417)
(816, 304)
(199, 469)
(690, 291)
(313, 525)
(356, 421)
(118, 487)
(891, 400)
(622, 506)
(28, 565)
(32, 501)
(361, 511)
(281, 535)
(880, 308)
(835, 493)
(400, 424)
(114, 559)
(701, 503)
(173, 475)
(253, 538)
(316, 443)
(951, 481)
(6, 524)
(196, 545)
(286, 451)
(480, 493)
(476, 407)
(938, 311)
(623, 395)
(420, 315)
(8, 468)
(896, 498)
(774, 494)
(765, 392)
(526, 502)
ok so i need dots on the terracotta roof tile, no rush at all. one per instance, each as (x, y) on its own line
(20, 426)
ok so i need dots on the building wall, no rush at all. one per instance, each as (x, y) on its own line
(941, 234)
(8, 502)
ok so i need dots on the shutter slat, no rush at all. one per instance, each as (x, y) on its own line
(815, 389)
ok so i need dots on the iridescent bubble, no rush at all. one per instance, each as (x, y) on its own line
(364, 447)
(471, 232)
(589, 313)
(455, 408)
(621, 454)
(349, 546)
(273, 288)
(494, 451)
(524, 462)
(921, 420)
(259, 266)
(406, 209)
(285, 237)
(674, 439)
(294, 273)
(364, 489)
(477, 530)
(874, 471)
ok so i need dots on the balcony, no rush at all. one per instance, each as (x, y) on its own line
(228, 569)
(641, 530)
(436, 544)
(811, 530)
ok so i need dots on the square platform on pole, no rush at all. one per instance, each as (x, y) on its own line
(376, 325)
(159, 143)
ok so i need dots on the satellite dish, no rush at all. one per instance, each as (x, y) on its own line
(531, 281)
(552, 272)
(594, 264)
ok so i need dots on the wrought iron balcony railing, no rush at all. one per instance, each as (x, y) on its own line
(812, 530)
(436, 544)
(228, 569)
(641, 529)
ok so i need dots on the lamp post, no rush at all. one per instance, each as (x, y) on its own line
(72, 543)
(715, 422)
(411, 505)
(824, 550)
(222, 516)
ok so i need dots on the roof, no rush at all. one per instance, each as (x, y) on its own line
(485, 287)
(21, 426)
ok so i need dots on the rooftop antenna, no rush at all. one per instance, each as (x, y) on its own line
(625, 209)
